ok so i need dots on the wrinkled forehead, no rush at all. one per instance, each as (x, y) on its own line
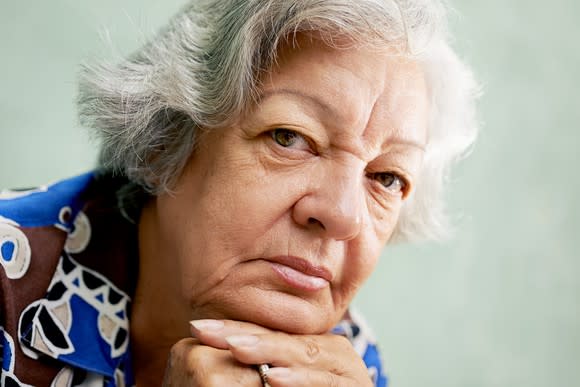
(379, 67)
(351, 86)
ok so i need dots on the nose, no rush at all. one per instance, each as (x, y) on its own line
(334, 206)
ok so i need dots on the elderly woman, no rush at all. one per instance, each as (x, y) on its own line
(256, 157)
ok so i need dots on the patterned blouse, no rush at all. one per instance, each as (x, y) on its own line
(68, 256)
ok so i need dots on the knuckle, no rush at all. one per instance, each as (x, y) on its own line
(312, 349)
(338, 371)
(179, 349)
(188, 356)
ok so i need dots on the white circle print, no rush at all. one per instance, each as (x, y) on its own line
(14, 249)
(80, 237)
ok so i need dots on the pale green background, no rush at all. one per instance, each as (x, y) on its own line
(497, 306)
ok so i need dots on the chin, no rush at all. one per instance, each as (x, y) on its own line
(279, 311)
(295, 322)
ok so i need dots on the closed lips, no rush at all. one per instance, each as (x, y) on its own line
(300, 273)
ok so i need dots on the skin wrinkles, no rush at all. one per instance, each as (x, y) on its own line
(391, 148)
(243, 198)
(364, 146)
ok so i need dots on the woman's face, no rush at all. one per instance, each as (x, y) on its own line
(280, 218)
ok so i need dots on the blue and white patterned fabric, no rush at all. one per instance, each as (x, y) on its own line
(66, 288)
(356, 330)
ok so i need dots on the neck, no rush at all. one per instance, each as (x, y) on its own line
(158, 316)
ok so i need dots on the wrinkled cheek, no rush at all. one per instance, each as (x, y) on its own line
(351, 283)
(260, 217)
(360, 263)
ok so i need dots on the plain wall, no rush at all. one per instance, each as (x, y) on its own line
(499, 305)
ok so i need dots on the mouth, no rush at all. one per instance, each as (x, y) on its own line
(300, 274)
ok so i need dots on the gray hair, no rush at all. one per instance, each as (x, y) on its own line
(203, 71)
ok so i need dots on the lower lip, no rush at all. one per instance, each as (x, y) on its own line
(298, 279)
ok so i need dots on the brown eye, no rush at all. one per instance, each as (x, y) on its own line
(285, 137)
(390, 181)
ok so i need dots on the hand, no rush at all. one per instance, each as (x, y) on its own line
(193, 364)
(296, 360)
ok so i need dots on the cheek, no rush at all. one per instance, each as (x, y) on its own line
(359, 269)
(352, 279)
(237, 212)
(384, 219)
(253, 200)
(363, 253)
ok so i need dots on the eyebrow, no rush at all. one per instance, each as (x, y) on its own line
(323, 105)
(402, 141)
(320, 103)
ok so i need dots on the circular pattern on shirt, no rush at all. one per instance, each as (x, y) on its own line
(78, 240)
(14, 250)
(64, 215)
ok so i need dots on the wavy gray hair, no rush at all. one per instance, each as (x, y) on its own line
(203, 71)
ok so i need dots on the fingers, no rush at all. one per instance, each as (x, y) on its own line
(214, 332)
(304, 377)
(297, 360)
(194, 365)
(325, 360)
(283, 350)
(253, 344)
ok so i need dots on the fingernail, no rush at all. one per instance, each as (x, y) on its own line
(279, 373)
(207, 325)
(242, 341)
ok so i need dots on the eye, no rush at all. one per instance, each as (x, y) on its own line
(391, 181)
(288, 138)
(285, 137)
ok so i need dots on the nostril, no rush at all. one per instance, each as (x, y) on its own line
(315, 221)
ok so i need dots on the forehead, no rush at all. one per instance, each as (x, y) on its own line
(361, 94)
